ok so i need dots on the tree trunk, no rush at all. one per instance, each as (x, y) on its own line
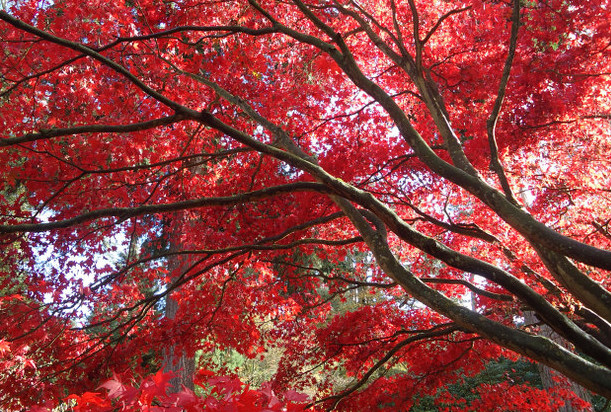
(549, 376)
(182, 365)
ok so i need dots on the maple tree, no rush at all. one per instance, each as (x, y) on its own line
(441, 164)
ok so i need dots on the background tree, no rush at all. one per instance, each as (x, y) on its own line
(458, 148)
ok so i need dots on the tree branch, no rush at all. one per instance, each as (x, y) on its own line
(495, 162)
(91, 128)
(78, 47)
(353, 388)
(124, 213)
(471, 286)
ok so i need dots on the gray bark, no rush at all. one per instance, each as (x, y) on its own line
(182, 365)
(548, 375)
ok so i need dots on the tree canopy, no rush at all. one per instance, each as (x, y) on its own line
(394, 191)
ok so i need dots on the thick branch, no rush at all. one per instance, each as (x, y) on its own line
(495, 162)
(124, 213)
(91, 128)
(470, 286)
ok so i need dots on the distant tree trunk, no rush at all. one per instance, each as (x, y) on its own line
(181, 364)
(548, 374)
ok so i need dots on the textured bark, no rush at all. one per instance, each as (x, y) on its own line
(182, 365)
(549, 376)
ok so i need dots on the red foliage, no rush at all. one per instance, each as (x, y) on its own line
(226, 394)
(319, 180)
